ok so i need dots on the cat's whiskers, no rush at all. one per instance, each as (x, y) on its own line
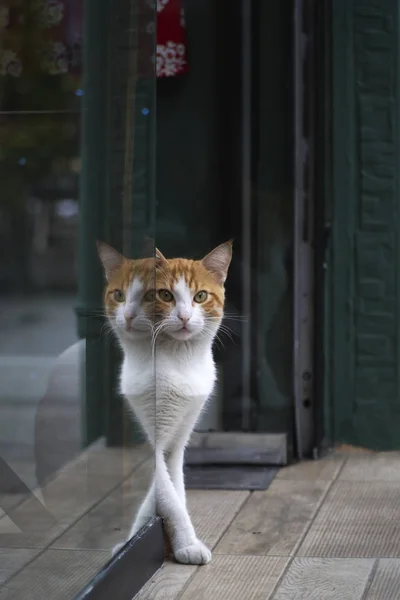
(228, 334)
(209, 332)
(235, 316)
(218, 342)
(107, 331)
(222, 328)
(156, 332)
(236, 319)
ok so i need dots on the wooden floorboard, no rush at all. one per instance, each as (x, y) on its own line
(323, 530)
(83, 510)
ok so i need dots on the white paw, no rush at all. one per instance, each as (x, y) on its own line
(194, 554)
(117, 548)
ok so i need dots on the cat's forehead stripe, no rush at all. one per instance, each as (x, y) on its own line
(182, 290)
(190, 271)
(135, 289)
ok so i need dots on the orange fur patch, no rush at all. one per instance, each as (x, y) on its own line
(164, 274)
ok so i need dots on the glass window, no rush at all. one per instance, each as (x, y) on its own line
(76, 165)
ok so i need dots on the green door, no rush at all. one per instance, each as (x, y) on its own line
(365, 245)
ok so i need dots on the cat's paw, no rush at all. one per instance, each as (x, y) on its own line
(194, 554)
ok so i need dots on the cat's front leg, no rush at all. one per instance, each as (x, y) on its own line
(186, 547)
(175, 462)
(146, 511)
(176, 453)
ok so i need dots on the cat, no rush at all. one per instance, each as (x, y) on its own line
(166, 314)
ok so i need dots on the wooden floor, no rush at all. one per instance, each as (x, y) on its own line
(327, 530)
(53, 542)
(323, 530)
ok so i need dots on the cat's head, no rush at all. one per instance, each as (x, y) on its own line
(163, 298)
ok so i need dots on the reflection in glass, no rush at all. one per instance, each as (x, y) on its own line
(65, 479)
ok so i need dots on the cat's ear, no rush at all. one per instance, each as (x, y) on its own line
(218, 260)
(160, 258)
(150, 250)
(110, 258)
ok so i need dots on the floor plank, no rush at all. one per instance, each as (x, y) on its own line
(273, 522)
(236, 578)
(66, 498)
(58, 574)
(66, 501)
(12, 560)
(212, 511)
(9, 501)
(168, 583)
(386, 583)
(325, 579)
(339, 517)
(357, 519)
(326, 468)
(109, 522)
(375, 467)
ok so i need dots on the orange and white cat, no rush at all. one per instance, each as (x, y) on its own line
(166, 314)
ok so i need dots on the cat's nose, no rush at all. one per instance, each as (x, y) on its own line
(128, 317)
(184, 319)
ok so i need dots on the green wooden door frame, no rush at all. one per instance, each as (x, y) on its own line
(130, 208)
(323, 227)
(343, 223)
(92, 209)
(365, 236)
(274, 210)
(115, 149)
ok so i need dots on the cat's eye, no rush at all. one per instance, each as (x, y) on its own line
(119, 296)
(200, 297)
(150, 296)
(165, 295)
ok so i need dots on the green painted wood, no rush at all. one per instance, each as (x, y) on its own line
(131, 168)
(324, 219)
(115, 72)
(91, 224)
(188, 178)
(143, 192)
(118, 145)
(365, 261)
(274, 209)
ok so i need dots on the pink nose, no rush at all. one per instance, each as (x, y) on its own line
(128, 317)
(184, 320)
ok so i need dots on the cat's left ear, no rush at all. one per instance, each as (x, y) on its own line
(150, 250)
(218, 260)
(110, 258)
(160, 258)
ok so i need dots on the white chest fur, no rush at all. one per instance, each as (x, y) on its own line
(167, 391)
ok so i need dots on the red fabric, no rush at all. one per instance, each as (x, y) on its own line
(171, 39)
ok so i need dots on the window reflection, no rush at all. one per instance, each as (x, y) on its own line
(54, 489)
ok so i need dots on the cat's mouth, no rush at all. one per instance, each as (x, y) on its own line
(184, 333)
(137, 330)
(136, 335)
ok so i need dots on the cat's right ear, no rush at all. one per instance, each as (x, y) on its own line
(218, 260)
(160, 258)
(110, 258)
